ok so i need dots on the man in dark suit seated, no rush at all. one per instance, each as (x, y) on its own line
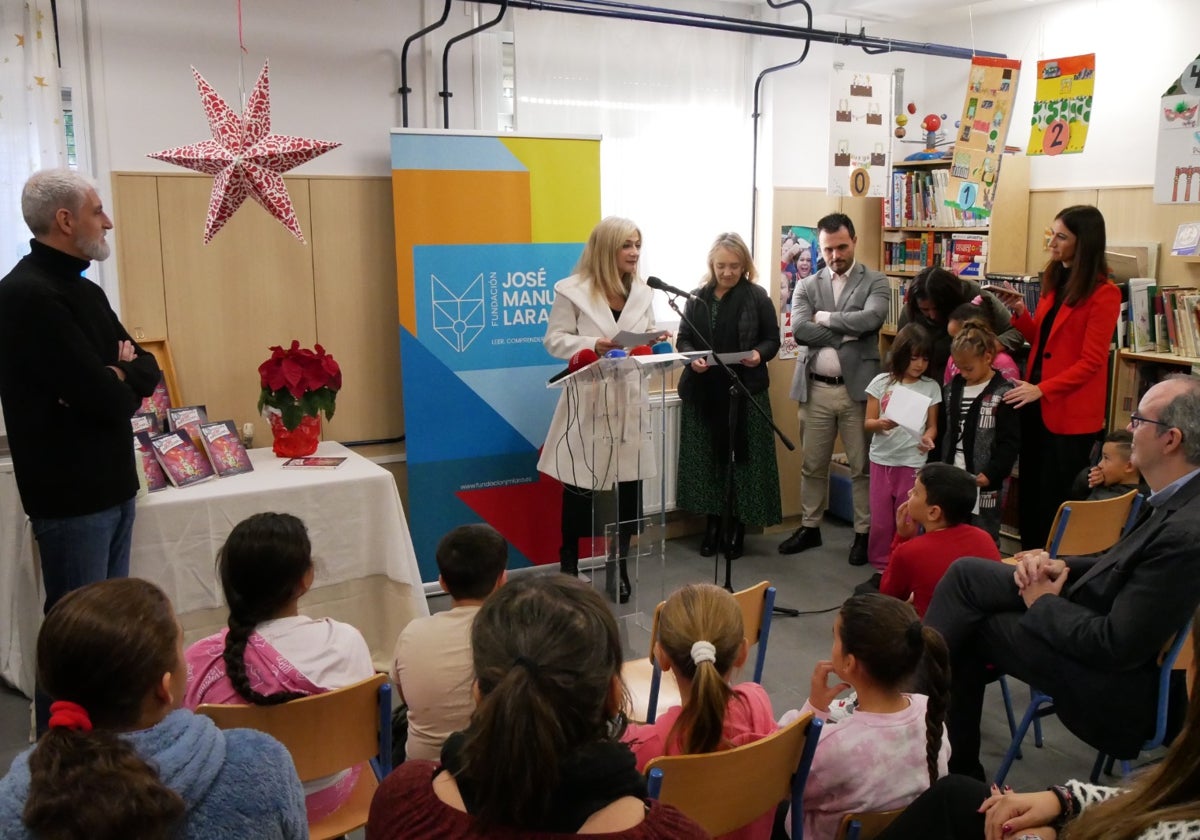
(1087, 631)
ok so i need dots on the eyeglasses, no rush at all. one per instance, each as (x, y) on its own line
(1136, 420)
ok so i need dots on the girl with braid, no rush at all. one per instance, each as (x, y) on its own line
(890, 746)
(702, 639)
(270, 653)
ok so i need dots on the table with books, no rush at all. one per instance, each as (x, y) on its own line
(366, 568)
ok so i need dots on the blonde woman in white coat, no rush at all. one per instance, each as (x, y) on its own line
(596, 439)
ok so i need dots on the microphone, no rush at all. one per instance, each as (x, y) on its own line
(662, 347)
(641, 350)
(577, 362)
(655, 283)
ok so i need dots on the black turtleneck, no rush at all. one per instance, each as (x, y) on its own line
(66, 412)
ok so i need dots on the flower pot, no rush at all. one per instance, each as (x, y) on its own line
(298, 442)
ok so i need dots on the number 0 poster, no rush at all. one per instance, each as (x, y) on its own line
(1062, 107)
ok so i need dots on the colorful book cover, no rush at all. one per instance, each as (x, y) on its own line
(145, 421)
(156, 479)
(187, 418)
(313, 462)
(225, 450)
(159, 402)
(183, 463)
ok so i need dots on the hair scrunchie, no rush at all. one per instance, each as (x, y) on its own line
(977, 300)
(704, 652)
(67, 715)
(916, 634)
(529, 665)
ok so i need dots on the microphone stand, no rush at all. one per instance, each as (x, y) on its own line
(737, 389)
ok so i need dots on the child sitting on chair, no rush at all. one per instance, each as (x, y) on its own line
(1115, 474)
(893, 745)
(271, 653)
(701, 639)
(431, 667)
(940, 503)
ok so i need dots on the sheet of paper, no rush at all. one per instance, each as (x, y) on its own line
(909, 409)
(728, 358)
(628, 339)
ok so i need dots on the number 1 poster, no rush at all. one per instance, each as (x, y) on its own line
(1062, 107)
(987, 113)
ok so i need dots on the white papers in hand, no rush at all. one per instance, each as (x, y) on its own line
(628, 339)
(908, 409)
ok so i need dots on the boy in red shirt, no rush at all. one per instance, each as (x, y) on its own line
(940, 502)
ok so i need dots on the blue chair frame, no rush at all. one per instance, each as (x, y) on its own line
(760, 656)
(654, 779)
(1041, 704)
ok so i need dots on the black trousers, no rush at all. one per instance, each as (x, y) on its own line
(1048, 466)
(585, 512)
(949, 810)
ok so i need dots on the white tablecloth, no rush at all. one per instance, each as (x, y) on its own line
(366, 568)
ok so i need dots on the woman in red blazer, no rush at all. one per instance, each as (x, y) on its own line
(1064, 398)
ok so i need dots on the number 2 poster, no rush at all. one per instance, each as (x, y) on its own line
(1062, 107)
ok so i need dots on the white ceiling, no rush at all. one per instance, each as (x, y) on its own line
(828, 12)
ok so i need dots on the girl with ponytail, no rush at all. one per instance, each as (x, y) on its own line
(701, 638)
(890, 745)
(270, 653)
(120, 759)
(541, 757)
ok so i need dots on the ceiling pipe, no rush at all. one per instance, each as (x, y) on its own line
(405, 90)
(445, 91)
(699, 20)
(755, 115)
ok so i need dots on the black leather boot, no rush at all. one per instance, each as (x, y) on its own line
(737, 539)
(568, 560)
(712, 535)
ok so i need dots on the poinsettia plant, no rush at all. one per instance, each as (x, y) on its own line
(299, 383)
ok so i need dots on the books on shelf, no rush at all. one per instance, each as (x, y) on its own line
(143, 450)
(1141, 315)
(1162, 319)
(224, 448)
(968, 254)
(918, 199)
(1029, 285)
(182, 462)
(897, 288)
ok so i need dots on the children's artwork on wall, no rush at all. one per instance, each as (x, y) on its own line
(987, 108)
(859, 140)
(797, 260)
(1177, 164)
(1062, 107)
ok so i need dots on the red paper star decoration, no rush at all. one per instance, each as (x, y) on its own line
(244, 158)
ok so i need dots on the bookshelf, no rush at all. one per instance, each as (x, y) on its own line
(918, 230)
(1134, 373)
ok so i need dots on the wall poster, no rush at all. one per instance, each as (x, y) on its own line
(982, 131)
(1062, 106)
(860, 133)
(798, 258)
(1177, 163)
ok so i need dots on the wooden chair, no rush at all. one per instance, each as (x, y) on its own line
(1079, 528)
(725, 790)
(325, 734)
(644, 679)
(866, 825)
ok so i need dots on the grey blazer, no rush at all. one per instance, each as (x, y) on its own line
(853, 326)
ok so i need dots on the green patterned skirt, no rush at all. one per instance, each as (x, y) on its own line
(701, 487)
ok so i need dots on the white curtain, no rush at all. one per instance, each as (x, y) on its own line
(673, 107)
(31, 121)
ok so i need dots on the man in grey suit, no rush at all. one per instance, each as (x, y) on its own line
(1088, 630)
(836, 316)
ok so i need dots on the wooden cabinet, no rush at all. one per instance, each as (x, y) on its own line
(1134, 373)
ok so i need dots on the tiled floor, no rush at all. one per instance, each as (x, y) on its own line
(815, 582)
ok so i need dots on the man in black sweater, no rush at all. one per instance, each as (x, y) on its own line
(70, 377)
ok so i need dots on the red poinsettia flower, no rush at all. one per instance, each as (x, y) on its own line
(299, 382)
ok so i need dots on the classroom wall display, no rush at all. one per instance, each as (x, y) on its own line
(980, 135)
(1177, 163)
(485, 226)
(1062, 106)
(860, 139)
(798, 250)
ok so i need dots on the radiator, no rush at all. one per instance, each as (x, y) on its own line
(658, 493)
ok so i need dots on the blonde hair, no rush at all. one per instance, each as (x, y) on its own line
(701, 613)
(731, 242)
(598, 262)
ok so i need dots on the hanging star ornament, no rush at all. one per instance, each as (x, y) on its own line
(244, 157)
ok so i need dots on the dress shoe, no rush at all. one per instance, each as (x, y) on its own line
(858, 550)
(870, 585)
(802, 539)
(712, 529)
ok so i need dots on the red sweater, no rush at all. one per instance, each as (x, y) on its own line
(406, 808)
(915, 566)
